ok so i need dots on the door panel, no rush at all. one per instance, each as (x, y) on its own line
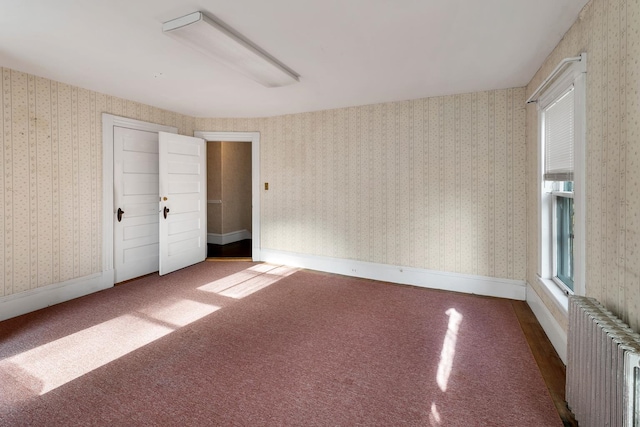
(182, 172)
(135, 170)
(141, 163)
(184, 168)
(187, 206)
(133, 145)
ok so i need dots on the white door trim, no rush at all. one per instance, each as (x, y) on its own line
(254, 139)
(108, 122)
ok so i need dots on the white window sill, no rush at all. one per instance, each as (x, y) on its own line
(557, 295)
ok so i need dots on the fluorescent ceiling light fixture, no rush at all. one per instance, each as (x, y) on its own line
(216, 40)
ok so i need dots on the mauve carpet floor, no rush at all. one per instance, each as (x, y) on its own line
(269, 347)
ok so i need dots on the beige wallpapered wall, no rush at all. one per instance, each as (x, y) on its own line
(433, 183)
(214, 187)
(609, 31)
(51, 180)
(236, 186)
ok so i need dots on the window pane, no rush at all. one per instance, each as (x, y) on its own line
(564, 246)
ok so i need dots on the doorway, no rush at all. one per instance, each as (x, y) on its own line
(254, 139)
(229, 191)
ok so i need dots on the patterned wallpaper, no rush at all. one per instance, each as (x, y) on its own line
(236, 186)
(609, 31)
(433, 183)
(51, 180)
(214, 186)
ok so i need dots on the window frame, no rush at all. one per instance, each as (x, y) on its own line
(574, 75)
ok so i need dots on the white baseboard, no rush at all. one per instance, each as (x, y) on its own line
(26, 302)
(223, 239)
(552, 328)
(479, 285)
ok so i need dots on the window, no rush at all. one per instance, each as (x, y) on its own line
(562, 232)
(559, 139)
(562, 171)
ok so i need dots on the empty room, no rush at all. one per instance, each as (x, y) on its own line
(367, 212)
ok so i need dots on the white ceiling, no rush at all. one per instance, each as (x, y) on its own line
(348, 52)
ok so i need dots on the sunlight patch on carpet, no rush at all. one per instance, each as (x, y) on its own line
(56, 363)
(180, 313)
(226, 282)
(244, 283)
(448, 349)
(434, 417)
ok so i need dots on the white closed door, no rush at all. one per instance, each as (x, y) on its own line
(182, 216)
(136, 185)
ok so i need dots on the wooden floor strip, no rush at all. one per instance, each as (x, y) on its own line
(550, 365)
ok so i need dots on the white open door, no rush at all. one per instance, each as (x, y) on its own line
(135, 191)
(183, 192)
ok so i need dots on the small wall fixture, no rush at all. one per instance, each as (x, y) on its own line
(214, 39)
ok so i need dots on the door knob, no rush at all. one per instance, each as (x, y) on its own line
(120, 213)
(166, 211)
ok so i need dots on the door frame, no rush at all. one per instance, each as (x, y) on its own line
(108, 123)
(254, 139)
